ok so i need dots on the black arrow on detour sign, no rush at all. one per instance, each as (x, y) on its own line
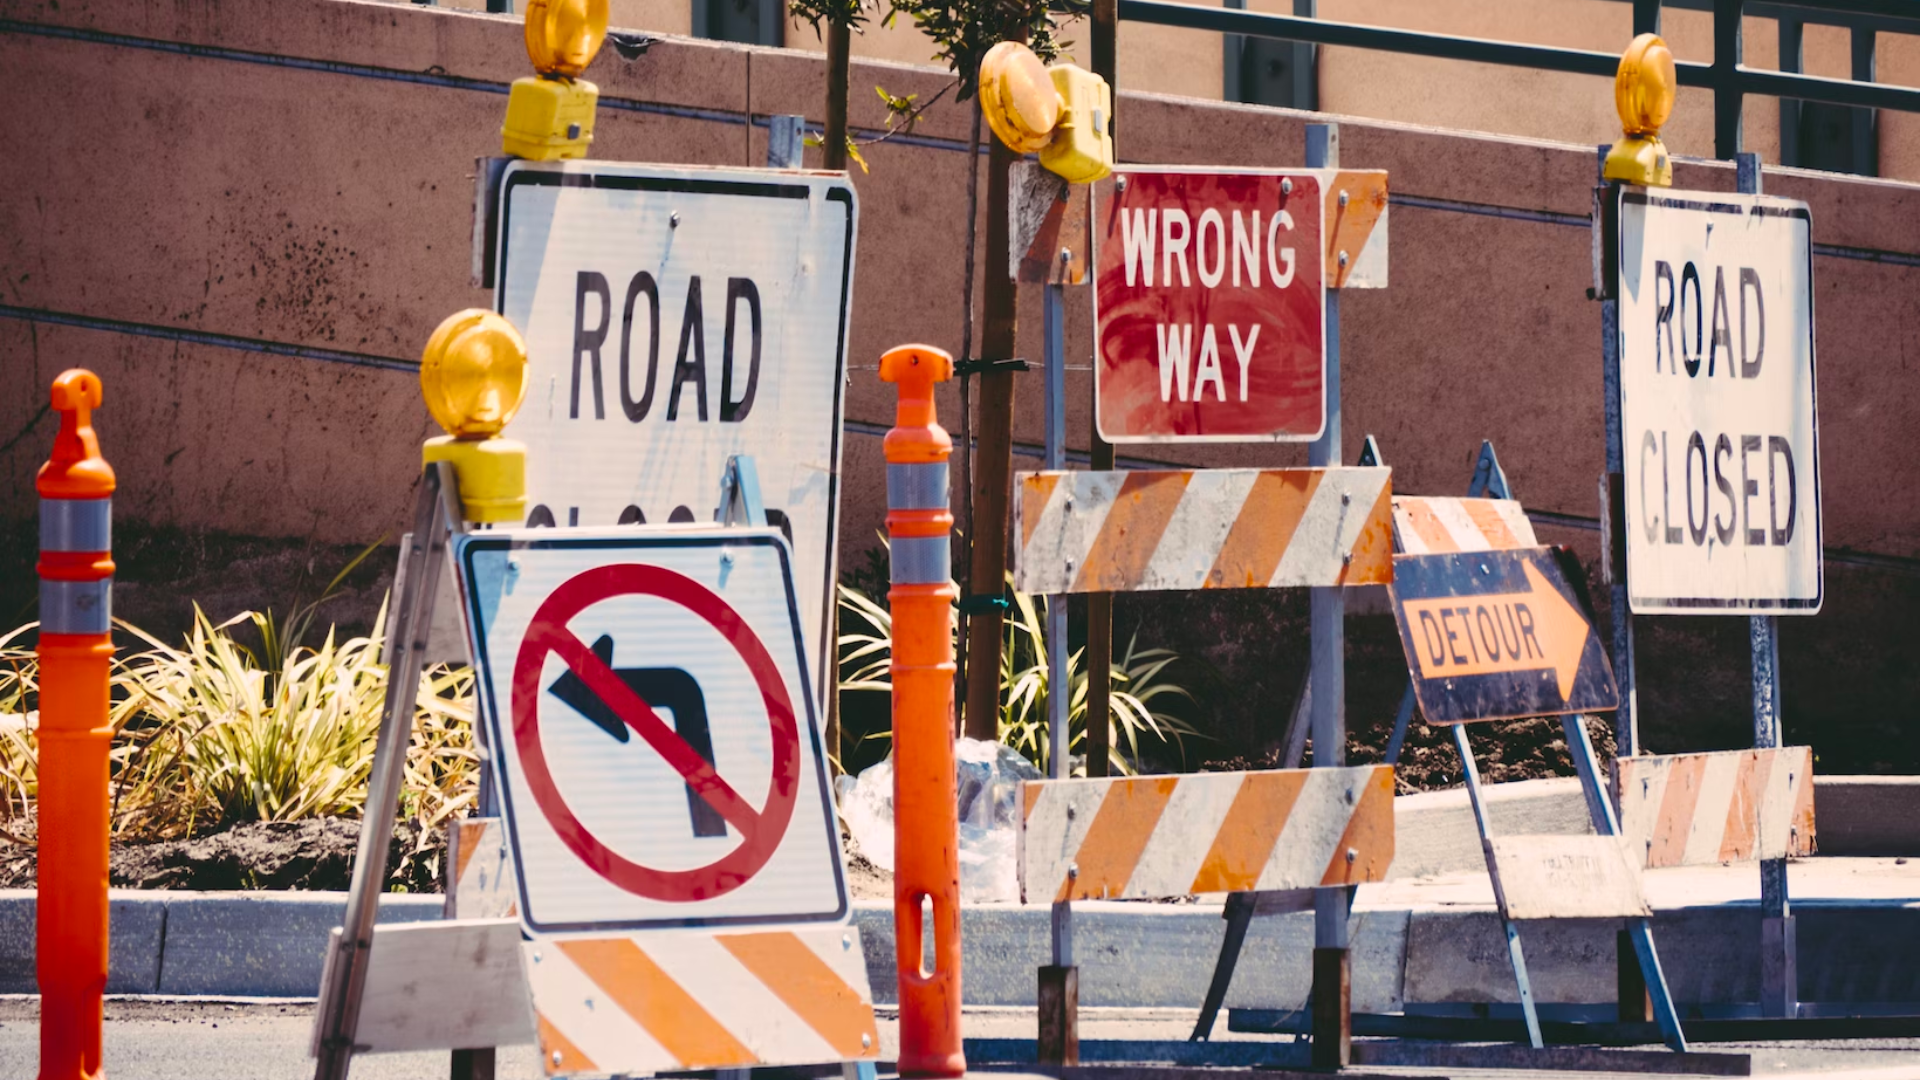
(669, 689)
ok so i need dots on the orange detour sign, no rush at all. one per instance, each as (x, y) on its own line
(1498, 634)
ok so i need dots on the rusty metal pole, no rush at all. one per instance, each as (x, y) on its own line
(833, 144)
(1099, 637)
(993, 461)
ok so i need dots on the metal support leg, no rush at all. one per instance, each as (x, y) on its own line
(1059, 998)
(1239, 915)
(1514, 953)
(1059, 680)
(1606, 823)
(422, 562)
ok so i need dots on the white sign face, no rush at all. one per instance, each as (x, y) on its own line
(652, 727)
(1717, 404)
(674, 317)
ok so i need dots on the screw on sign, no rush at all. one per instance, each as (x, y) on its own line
(1210, 292)
(617, 696)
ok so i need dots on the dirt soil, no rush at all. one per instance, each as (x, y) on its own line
(274, 855)
(1505, 750)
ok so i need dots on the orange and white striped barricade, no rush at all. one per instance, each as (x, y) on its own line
(1190, 529)
(480, 881)
(1727, 806)
(1283, 832)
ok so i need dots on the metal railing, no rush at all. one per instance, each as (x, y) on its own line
(1728, 78)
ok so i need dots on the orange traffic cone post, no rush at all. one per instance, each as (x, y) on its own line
(926, 841)
(76, 650)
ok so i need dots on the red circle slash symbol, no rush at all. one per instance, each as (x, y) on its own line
(761, 830)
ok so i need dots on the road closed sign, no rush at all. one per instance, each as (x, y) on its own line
(648, 707)
(674, 317)
(1210, 306)
(1721, 441)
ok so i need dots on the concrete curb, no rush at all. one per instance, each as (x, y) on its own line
(1137, 955)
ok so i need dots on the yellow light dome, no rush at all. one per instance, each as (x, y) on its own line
(1018, 98)
(564, 35)
(473, 373)
(1644, 86)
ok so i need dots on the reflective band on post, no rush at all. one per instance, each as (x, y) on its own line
(917, 487)
(76, 524)
(76, 607)
(921, 560)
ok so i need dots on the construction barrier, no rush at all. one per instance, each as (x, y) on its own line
(1718, 807)
(1202, 529)
(1150, 837)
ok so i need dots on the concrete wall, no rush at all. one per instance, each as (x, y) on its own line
(249, 225)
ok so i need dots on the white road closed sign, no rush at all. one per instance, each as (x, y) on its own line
(674, 317)
(647, 703)
(1722, 484)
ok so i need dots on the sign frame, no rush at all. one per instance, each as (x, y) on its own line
(1320, 177)
(492, 686)
(1634, 411)
(833, 189)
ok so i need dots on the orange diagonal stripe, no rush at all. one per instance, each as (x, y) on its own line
(805, 984)
(1675, 821)
(657, 1003)
(1260, 535)
(1420, 515)
(1036, 490)
(1373, 549)
(552, 1042)
(470, 834)
(1351, 226)
(1369, 832)
(1247, 834)
(1117, 835)
(1741, 835)
(1141, 509)
(1491, 525)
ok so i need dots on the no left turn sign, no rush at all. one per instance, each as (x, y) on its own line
(654, 736)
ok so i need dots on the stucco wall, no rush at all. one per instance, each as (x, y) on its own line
(250, 240)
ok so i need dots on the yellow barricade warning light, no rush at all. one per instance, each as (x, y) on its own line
(1643, 94)
(550, 117)
(1063, 113)
(473, 375)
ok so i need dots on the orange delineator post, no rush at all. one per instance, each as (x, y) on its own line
(76, 651)
(926, 840)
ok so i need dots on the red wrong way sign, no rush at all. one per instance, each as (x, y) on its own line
(655, 742)
(1210, 307)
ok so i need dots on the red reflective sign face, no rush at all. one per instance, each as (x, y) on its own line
(1210, 308)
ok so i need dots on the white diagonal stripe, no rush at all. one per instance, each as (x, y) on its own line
(1330, 527)
(1453, 517)
(839, 948)
(1205, 515)
(1786, 771)
(1055, 830)
(1314, 826)
(732, 995)
(1711, 808)
(1515, 517)
(1066, 531)
(590, 1019)
(1184, 835)
(1406, 539)
(1643, 789)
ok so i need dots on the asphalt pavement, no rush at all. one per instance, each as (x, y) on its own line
(149, 1039)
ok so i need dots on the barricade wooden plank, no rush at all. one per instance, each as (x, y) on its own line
(1146, 529)
(435, 985)
(701, 999)
(1157, 836)
(1438, 525)
(1566, 877)
(1724, 806)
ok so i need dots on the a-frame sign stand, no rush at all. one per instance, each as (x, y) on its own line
(1642, 978)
